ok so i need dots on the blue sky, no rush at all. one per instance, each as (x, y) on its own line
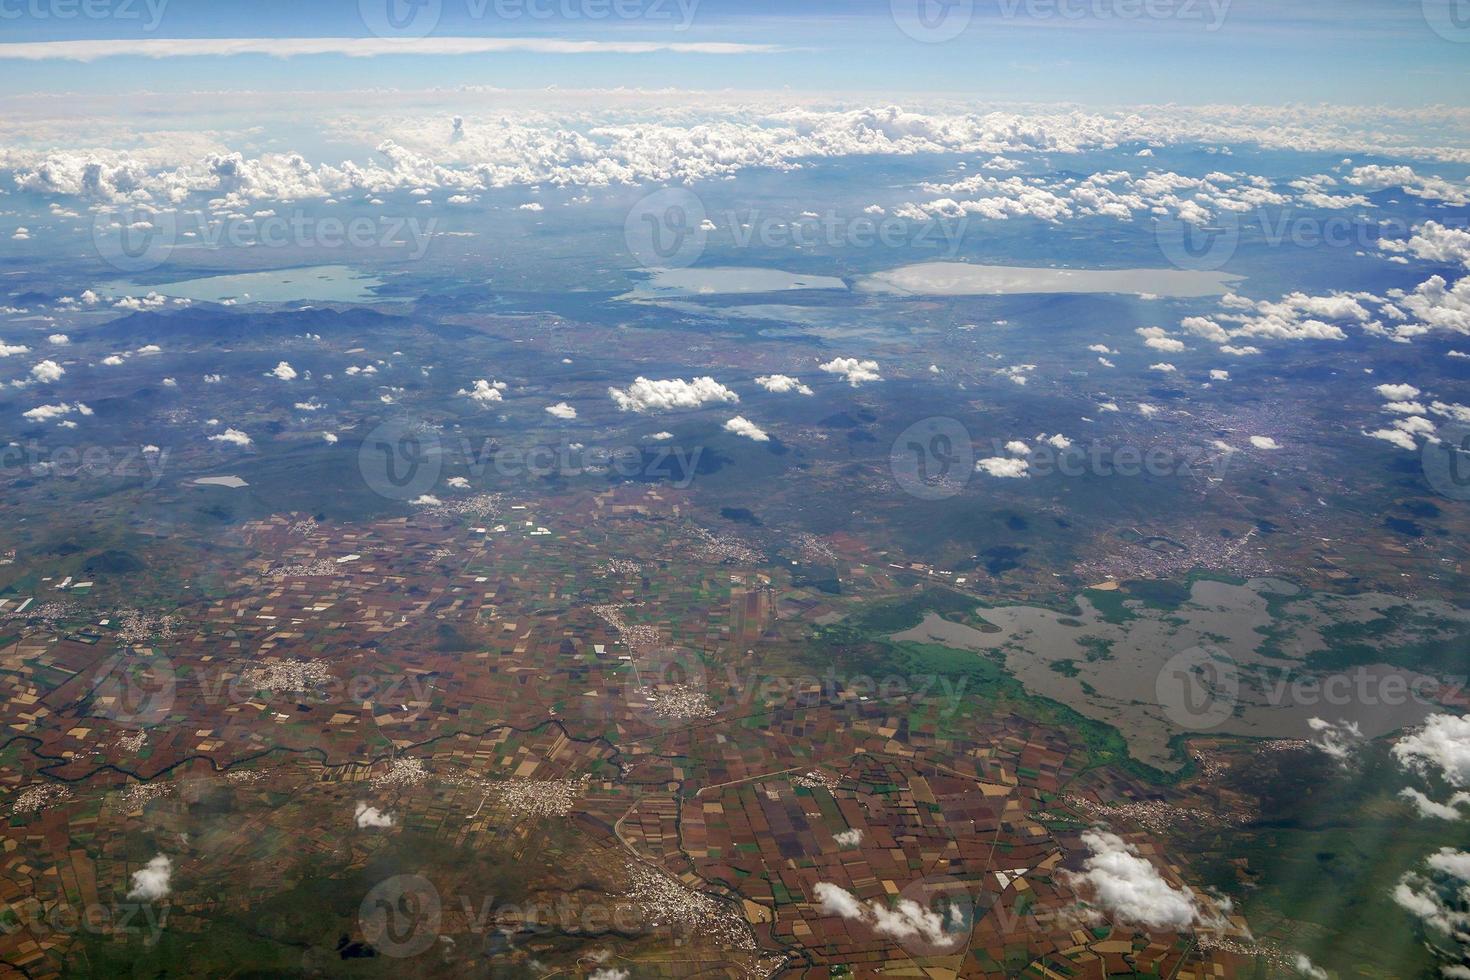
(1344, 51)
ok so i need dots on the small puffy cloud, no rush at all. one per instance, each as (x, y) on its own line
(1434, 242)
(647, 395)
(848, 838)
(8, 350)
(742, 426)
(532, 206)
(58, 340)
(1131, 887)
(283, 372)
(483, 392)
(561, 410)
(661, 436)
(855, 371)
(1437, 897)
(782, 383)
(1158, 338)
(371, 816)
(608, 973)
(46, 413)
(112, 360)
(1405, 408)
(47, 372)
(153, 881)
(1398, 393)
(330, 438)
(1003, 467)
(905, 919)
(1441, 747)
(1163, 368)
(1219, 375)
(1416, 425)
(1264, 442)
(1206, 328)
(1396, 437)
(427, 500)
(1101, 349)
(835, 900)
(233, 437)
(1018, 448)
(1338, 741)
(1434, 810)
(1304, 965)
(1147, 410)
